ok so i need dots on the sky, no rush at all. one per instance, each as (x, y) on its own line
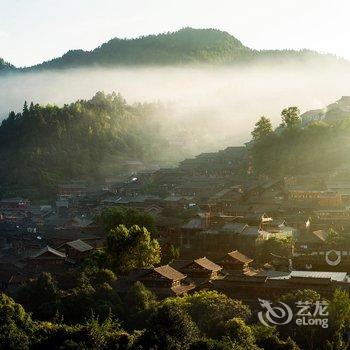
(32, 31)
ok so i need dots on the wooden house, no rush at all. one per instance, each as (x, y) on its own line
(235, 261)
(165, 281)
(47, 257)
(201, 268)
(76, 250)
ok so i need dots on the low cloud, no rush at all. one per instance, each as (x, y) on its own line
(222, 104)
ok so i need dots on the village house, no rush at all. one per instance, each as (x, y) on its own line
(329, 259)
(10, 281)
(237, 235)
(201, 268)
(310, 241)
(177, 202)
(235, 209)
(272, 285)
(76, 250)
(326, 199)
(14, 204)
(224, 163)
(342, 187)
(336, 218)
(235, 262)
(225, 199)
(74, 188)
(199, 187)
(265, 192)
(47, 258)
(80, 224)
(165, 281)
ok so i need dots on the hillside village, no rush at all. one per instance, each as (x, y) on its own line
(174, 175)
(238, 233)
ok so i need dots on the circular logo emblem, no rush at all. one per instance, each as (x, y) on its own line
(274, 315)
(333, 257)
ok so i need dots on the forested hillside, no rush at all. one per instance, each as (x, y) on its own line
(5, 66)
(47, 144)
(186, 46)
(292, 149)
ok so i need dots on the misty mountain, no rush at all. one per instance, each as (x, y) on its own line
(334, 112)
(186, 46)
(5, 66)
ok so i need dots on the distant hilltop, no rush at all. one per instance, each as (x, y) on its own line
(185, 46)
(337, 111)
(5, 66)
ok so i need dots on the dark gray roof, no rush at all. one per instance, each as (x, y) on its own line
(79, 245)
(50, 250)
(333, 276)
(236, 227)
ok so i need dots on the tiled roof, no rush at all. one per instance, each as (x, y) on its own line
(333, 276)
(169, 273)
(252, 231)
(318, 236)
(80, 222)
(80, 245)
(195, 223)
(239, 256)
(236, 227)
(321, 234)
(208, 264)
(50, 250)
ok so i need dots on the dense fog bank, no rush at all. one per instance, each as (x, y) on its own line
(219, 103)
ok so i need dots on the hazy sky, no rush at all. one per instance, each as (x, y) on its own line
(32, 31)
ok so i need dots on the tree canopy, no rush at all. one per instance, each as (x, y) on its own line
(130, 248)
(263, 128)
(110, 218)
(85, 140)
(295, 149)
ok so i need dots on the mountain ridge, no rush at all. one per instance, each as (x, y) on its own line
(185, 46)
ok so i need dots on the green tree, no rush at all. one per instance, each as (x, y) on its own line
(97, 259)
(339, 317)
(87, 139)
(291, 117)
(40, 296)
(332, 236)
(78, 304)
(239, 332)
(102, 276)
(268, 338)
(275, 245)
(210, 310)
(263, 128)
(310, 337)
(138, 303)
(110, 218)
(169, 253)
(132, 248)
(92, 334)
(170, 328)
(16, 326)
